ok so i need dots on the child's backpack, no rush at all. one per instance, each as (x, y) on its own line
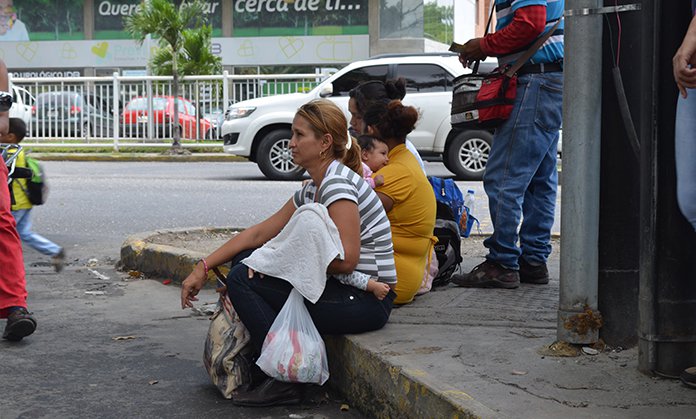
(37, 189)
(450, 206)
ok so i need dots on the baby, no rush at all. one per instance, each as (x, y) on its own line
(374, 157)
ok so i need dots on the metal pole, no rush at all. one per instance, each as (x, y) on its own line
(115, 110)
(150, 116)
(225, 91)
(582, 103)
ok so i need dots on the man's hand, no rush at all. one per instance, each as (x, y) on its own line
(471, 51)
(684, 61)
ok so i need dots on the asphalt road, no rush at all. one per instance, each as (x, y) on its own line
(110, 346)
(73, 366)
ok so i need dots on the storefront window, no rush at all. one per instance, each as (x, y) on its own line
(110, 15)
(38, 20)
(299, 18)
(401, 19)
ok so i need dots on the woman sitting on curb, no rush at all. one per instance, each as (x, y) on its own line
(406, 195)
(320, 143)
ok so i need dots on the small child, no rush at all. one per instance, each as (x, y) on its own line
(374, 153)
(21, 210)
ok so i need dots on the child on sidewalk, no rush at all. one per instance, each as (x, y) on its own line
(21, 210)
(374, 157)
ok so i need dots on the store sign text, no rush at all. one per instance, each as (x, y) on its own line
(106, 8)
(255, 6)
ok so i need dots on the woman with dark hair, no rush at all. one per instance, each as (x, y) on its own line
(406, 195)
(320, 144)
(376, 91)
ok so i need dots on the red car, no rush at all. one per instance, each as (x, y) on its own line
(135, 120)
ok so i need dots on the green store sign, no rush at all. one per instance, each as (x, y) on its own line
(109, 17)
(51, 20)
(299, 17)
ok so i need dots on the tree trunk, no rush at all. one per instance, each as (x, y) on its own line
(176, 144)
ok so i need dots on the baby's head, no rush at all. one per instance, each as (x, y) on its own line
(374, 152)
(16, 132)
(7, 16)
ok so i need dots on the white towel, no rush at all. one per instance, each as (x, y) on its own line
(301, 251)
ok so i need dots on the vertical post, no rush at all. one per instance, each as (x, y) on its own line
(667, 296)
(582, 103)
(115, 110)
(150, 117)
(225, 90)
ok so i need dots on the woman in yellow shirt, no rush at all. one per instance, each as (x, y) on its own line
(406, 195)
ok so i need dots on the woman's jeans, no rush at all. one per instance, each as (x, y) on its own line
(341, 309)
(685, 150)
(36, 241)
(521, 177)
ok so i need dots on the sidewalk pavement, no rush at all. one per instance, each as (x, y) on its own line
(461, 353)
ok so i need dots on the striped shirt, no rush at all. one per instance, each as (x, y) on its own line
(376, 248)
(552, 50)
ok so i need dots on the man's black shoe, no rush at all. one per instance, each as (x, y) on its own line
(533, 274)
(270, 393)
(20, 324)
(488, 275)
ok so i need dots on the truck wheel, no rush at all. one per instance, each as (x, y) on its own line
(274, 157)
(468, 154)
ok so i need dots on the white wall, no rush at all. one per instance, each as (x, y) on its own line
(464, 20)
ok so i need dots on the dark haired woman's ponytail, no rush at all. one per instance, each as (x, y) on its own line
(396, 89)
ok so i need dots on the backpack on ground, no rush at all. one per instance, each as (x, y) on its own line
(36, 189)
(450, 206)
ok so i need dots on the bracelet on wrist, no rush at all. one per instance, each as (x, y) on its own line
(205, 266)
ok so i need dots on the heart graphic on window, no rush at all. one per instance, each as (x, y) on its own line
(100, 49)
(26, 50)
(290, 46)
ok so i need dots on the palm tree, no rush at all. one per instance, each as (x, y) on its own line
(194, 58)
(168, 23)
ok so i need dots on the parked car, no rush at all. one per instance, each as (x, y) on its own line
(22, 101)
(69, 113)
(260, 128)
(216, 116)
(134, 118)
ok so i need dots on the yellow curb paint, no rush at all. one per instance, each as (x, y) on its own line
(457, 393)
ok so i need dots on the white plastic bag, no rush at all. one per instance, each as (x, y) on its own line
(293, 350)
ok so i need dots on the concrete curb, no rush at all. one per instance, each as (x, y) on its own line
(384, 390)
(370, 382)
(128, 157)
(140, 254)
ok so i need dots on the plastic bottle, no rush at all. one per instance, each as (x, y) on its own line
(470, 201)
(468, 221)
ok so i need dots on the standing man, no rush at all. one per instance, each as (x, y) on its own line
(521, 178)
(684, 68)
(13, 290)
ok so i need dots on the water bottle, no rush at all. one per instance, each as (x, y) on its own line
(469, 202)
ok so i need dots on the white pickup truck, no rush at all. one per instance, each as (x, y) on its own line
(260, 128)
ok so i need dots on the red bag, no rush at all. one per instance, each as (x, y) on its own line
(483, 100)
(496, 99)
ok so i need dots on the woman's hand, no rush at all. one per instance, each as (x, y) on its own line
(192, 285)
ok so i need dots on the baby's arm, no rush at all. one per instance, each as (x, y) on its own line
(379, 289)
(355, 279)
(370, 181)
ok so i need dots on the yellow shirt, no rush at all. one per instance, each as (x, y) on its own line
(412, 219)
(21, 199)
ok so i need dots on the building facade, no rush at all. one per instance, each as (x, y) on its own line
(87, 37)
